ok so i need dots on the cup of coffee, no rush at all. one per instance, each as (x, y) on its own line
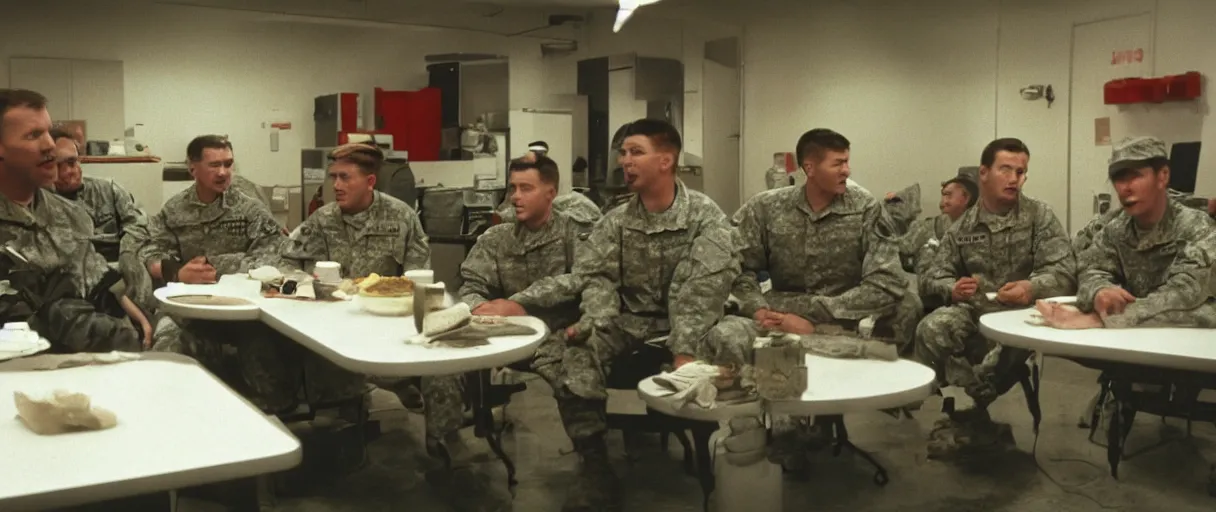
(328, 271)
(421, 276)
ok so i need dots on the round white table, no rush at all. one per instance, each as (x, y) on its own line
(350, 337)
(1171, 348)
(178, 426)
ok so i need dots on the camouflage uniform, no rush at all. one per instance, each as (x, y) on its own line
(248, 187)
(837, 266)
(533, 268)
(1028, 243)
(236, 234)
(385, 239)
(648, 275)
(575, 205)
(120, 229)
(53, 234)
(1085, 238)
(917, 247)
(1168, 268)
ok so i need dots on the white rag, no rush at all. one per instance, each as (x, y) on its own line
(693, 383)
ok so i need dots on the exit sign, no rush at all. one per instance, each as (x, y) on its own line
(1124, 57)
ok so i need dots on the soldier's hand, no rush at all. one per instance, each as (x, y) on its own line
(767, 318)
(681, 360)
(197, 271)
(1017, 293)
(794, 324)
(1112, 300)
(964, 289)
(500, 307)
(1212, 206)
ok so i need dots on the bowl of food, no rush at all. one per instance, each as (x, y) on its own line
(387, 296)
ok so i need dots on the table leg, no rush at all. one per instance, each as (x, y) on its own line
(1030, 388)
(881, 478)
(483, 420)
(705, 469)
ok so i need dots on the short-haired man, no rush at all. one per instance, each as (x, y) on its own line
(120, 227)
(205, 232)
(1084, 239)
(831, 255)
(1150, 266)
(51, 234)
(661, 264)
(917, 247)
(1008, 246)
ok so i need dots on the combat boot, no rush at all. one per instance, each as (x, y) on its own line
(967, 432)
(596, 488)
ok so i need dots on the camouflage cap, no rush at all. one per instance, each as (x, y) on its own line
(1135, 152)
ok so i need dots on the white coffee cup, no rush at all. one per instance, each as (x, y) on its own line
(328, 271)
(421, 276)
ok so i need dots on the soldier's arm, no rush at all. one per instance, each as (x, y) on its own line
(479, 274)
(598, 267)
(751, 236)
(160, 248)
(418, 247)
(1055, 265)
(134, 221)
(882, 284)
(910, 245)
(700, 286)
(266, 241)
(305, 246)
(937, 282)
(1098, 268)
(1187, 287)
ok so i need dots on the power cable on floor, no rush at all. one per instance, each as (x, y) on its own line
(1034, 454)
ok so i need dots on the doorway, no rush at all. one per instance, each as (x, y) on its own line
(720, 108)
(1101, 51)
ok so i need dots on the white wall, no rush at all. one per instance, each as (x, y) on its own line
(920, 87)
(194, 71)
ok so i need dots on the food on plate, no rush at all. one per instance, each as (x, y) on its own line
(376, 285)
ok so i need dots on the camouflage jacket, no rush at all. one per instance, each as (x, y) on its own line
(119, 226)
(385, 239)
(54, 234)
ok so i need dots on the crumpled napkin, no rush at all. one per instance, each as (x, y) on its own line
(691, 383)
(62, 412)
(458, 327)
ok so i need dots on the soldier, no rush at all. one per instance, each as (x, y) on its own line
(831, 253)
(207, 231)
(1085, 238)
(661, 264)
(575, 205)
(1008, 245)
(51, 234)
(120, 227)
(1152, 265)
(367, 231)
(916, 248)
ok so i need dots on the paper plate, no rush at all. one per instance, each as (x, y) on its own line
(205, 304)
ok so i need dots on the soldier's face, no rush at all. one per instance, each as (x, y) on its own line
(1003, 181)
(830, 173)
(214, 170)
(531, 196)
(954, 200)
(67, 156)
(353, 190)
(1141, 190)
(643, 164)
(27, 151)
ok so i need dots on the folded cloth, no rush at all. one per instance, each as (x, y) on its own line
(457, 327)
(62, 412)
(691, 383)
(745, 445)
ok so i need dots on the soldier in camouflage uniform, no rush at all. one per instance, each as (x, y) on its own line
(1008, 244)
(661, 264)
(207, 231)
(1085, 238)
(52, 233)
(368, 232)
(917, 247)
(573, 204)
(1152, 265)
(831, 253)
(120, 227)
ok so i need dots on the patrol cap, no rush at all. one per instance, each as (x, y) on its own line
(1135, 152)
(968, 178)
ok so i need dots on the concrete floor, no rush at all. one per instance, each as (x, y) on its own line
(1070, 475)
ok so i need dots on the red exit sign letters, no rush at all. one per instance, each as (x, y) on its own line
(1121, 57)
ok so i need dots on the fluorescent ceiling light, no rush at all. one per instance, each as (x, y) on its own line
(626, 11)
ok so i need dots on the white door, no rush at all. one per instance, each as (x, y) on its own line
(720, 109)
(1102, 51)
